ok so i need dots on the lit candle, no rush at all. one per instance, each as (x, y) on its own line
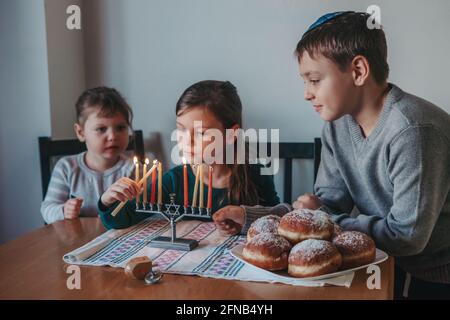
(160, 172)
(122, 204)
(153, 195)
(194, 196)
(201, 187)
(136, 176)
(185, 183)
(144, 171)
(209, 203)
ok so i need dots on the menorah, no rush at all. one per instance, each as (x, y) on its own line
(171, 212)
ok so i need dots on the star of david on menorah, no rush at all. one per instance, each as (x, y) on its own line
(171, 212)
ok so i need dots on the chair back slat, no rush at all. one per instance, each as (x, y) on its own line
(288, 151)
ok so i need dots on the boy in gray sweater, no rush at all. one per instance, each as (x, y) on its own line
(385, 152)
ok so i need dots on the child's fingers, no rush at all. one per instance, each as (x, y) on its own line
(72, 202)
(137, 189)
(131, 185)
(228, 213)
(69, 212)
(227, 226)
(70, 206)
(119, 196)
(221, 225)
(297, 205)
(123, 190)
(228, 233)
(134, 188)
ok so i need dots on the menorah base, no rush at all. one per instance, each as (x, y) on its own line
(177, 244)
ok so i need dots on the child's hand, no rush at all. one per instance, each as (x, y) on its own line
(72, 208)
(229, 220)
(307, 201)
(122, 190)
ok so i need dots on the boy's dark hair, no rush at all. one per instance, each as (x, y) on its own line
(108, 100)
(344, 37)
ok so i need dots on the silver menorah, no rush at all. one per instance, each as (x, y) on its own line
(171, 212)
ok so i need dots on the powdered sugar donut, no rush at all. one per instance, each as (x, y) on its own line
(302, 224)
(266, 224)
(268, 251)
(312, 258)
(356, 248)
(337, 230)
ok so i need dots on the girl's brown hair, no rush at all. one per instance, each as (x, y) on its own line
(222, 100)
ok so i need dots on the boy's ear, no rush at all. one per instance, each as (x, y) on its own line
(79, 132)
(360, 70)
(230, 139)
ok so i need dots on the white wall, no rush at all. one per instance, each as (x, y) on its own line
(24, 114)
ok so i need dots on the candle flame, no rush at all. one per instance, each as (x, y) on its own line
(184, 160)
(155, 162)
(135, 160)
(147, 161)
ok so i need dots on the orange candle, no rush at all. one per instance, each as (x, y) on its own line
(209, 203)
(153, 196)
(160, 183)
(145, 180)
(185, 180)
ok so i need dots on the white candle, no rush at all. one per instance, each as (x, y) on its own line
(194, 196)
(136, 176)
(145, 180)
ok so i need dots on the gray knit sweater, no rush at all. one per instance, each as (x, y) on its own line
(398, 178)
(72, 178)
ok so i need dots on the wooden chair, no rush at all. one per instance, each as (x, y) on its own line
(50, 149)
(288, 151)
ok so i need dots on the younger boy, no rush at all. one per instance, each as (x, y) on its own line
(103, 123)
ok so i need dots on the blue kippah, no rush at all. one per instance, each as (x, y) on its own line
(325, 18)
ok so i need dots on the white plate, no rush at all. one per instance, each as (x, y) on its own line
(380, 256)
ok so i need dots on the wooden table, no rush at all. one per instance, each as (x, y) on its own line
(31, 267)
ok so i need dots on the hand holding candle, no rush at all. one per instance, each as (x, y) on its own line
(153, 168)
